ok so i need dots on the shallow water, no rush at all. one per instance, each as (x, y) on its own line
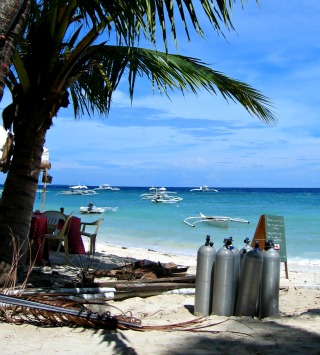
(160, 227)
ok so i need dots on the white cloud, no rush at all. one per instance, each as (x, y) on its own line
(195, 139)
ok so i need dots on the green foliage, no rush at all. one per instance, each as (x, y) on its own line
(86, 48)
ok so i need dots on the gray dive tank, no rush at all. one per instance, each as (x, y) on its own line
(243, 251)
(247, 301)
(270, 281)
(223, 287)
(236, 270)
(236, 267)
(206, 257)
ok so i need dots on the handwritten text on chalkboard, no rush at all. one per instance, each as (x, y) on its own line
(275, 231)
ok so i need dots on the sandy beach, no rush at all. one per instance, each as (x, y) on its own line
(296, 330)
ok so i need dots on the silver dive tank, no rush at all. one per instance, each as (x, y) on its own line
(236, 270)
(243, 251)
(270, 281)
(247, 301)
(223, 287)
(206, 257)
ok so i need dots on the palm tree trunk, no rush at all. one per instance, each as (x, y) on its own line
(16, 203)
(12, 20)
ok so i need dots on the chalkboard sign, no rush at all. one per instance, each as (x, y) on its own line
(275, 232)
(272, 228)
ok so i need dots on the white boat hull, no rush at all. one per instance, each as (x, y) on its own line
(92, 210)
(204, 188)
(98, 210)
(167, 200)
(161, 195)
(216, 221)
(107, 187)
(89, 192)
(78, 190)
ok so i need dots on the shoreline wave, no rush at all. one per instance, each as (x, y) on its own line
(298, 263)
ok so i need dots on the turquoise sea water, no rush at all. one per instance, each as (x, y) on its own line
(140, 223)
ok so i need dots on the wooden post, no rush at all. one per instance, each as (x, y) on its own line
(260, 233)
(286, 270)
(44, 191)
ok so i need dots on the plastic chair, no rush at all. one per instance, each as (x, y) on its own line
(91, 236)
(53, 218)
(62, 236)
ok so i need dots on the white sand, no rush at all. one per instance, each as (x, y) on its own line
(296, 330)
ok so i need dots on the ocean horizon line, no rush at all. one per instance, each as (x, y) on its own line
(183, 187)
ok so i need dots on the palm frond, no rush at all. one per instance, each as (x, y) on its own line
(167, 71)
(56, 310)
(92, 72)
(159, 12)
(131, 18)
(53, 310)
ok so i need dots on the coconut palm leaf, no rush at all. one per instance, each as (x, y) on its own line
(55, 310)
(129, 19)
(93, 72)
(94, 88)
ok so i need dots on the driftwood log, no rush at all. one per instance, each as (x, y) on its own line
(141, 269)
(142, 278)
(161, 286)
(190, 279)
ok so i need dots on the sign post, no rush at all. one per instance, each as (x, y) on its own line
(272, 228)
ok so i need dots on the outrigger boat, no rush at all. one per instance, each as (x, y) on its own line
(78, 190)
(107, 187)
(166, 199)
(204, 188)
(161, 195)
(217, 221)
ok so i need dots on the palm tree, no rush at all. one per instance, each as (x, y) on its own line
(12, 19)
(79, 50)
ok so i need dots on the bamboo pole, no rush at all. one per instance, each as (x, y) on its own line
(163, 286)
(44, 190)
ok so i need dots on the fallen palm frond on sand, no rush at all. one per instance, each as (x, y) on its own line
(46, 310)
(60, 308)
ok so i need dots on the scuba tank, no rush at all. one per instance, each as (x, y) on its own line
(236, 269)
(270, 281)
(223, 287)
(248, 294)
(206, 257)
(244, 250)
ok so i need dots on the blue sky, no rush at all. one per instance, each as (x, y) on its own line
(196, 140)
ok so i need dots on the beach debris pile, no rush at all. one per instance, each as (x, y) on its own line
(142, 269)
(142, 278)
(75, 306)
